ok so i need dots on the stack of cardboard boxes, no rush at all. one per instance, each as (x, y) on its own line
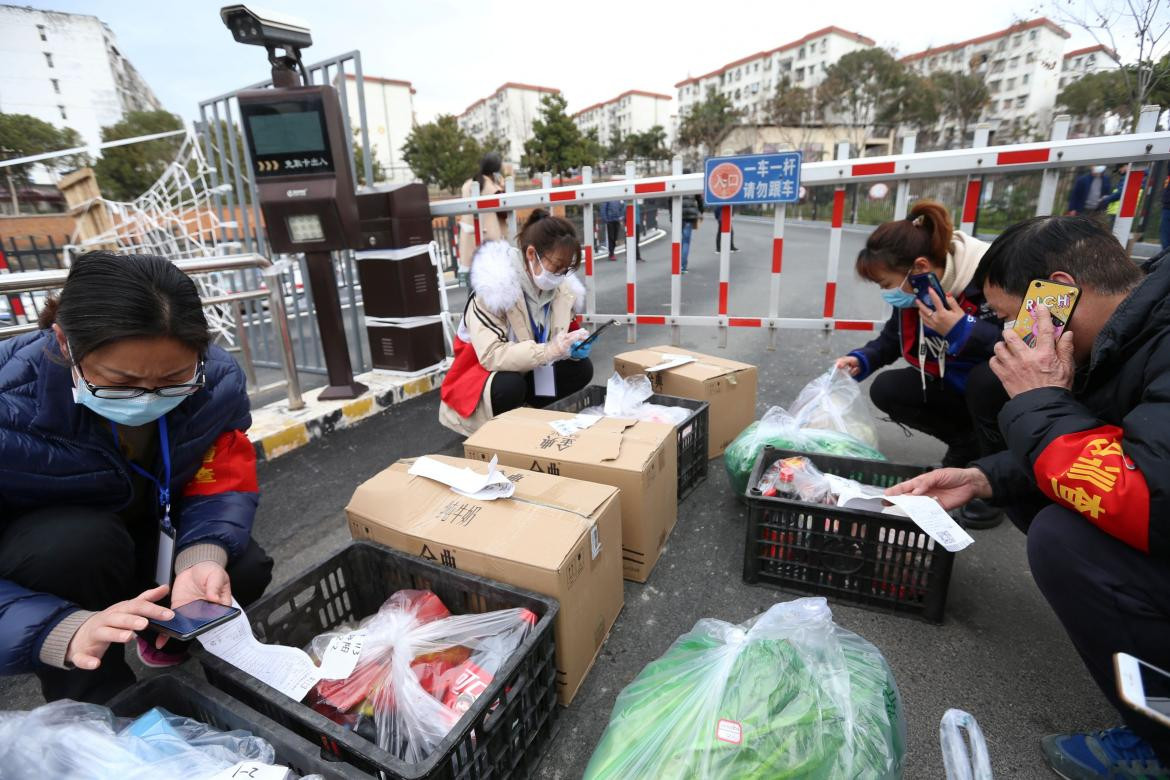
(590, 506)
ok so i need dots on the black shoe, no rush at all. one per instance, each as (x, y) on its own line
(735, 249)
(977, 514)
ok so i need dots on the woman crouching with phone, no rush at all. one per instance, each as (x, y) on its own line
(518, 343)
(942, 326)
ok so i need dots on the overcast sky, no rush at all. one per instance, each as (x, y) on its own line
(457, 52)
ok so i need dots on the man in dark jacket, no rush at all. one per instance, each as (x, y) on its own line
(612, 214)
(1087, 470)
(692, 213)
(1089, 192)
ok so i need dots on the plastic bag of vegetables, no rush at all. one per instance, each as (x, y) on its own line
(788, 694)
(834, 402)
(781, 430)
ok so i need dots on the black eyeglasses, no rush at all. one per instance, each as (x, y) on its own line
(169, 391)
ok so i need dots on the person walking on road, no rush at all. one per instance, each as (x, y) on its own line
(612, 213)
(491, 226)
(719, 230)
(692, 216)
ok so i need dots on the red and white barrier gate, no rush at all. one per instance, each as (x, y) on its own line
(1139, 149)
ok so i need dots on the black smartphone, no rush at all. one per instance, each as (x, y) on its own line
(922, 284)
(194, 618)
(593, 336)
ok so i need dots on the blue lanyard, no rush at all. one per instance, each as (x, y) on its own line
(164, 488)
(538, 332)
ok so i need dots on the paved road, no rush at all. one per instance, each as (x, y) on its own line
(1000, 654)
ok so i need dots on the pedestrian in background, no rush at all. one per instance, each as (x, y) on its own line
(612, 213)
(719, 231)
(491, 226)
(692, 217)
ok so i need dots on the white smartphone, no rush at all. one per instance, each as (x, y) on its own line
(1144, 687)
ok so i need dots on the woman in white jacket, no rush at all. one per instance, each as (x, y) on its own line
(518, 341)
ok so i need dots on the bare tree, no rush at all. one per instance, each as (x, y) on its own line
(1146, 23)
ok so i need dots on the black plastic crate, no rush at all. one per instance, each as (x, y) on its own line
(692, 432)
(193, 698)
(867, 558)
(504, 732)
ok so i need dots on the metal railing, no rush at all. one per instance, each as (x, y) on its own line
(974, 165)
(16, 284)
(237, 204)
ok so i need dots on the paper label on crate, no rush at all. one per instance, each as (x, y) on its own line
(595, 541)
(287, 669)
(464, 481)
(341, 656)
(729, 731)
(253, 770)
(670, 361)
(929, 515)
(574, 424)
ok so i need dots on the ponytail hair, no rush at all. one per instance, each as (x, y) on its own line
(925, 232)
(547, 233)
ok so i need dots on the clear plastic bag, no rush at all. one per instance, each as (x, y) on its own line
(961, 764)
(834, 402)
(787, 694)
(783, 431)
(82, 741)
(798, 478)
(628, 397)
(420, 669)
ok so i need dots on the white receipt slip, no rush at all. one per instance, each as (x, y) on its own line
(926, 513)
(466, 482)
(287, 669)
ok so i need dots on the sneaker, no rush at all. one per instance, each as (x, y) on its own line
(735, 249)
(1115, 753)
(684, 270)
(612, 258)
(977, 514)
(159, 659)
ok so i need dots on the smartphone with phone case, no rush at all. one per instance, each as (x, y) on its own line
(922, 284)
(193, 619)
(1144, 687)
(1061, 300)
(593, 336)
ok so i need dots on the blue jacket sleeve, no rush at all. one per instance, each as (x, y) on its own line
(26, 618)
(219, 504)
(881, 351)
(973, 338)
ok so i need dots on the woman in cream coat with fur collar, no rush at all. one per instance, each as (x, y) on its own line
(517, 344)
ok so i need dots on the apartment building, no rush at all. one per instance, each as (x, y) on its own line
(389, 119)
(751, 81)
(67, 70)
(506, 113)
(1021, 65)
(633, 111)
(1082, 62)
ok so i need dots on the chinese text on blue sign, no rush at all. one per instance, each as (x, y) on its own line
(753, 178)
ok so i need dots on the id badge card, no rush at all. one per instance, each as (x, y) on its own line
(164, 564)
(545, 382)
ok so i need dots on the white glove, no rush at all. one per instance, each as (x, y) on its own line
(561, 344)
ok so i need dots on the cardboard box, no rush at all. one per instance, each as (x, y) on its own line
(555, 536)
(728, 385)
(640, 458)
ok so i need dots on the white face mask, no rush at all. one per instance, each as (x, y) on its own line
(543, 279)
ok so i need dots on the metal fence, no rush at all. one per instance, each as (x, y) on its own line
(968, 171)
(31, 254)
(27, 291)
(237, 205)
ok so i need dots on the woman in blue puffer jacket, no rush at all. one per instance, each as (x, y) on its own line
(123, 462)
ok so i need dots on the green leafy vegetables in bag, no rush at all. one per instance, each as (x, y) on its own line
(786, 695)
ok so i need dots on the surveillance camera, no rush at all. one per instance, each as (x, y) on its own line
(262, 27)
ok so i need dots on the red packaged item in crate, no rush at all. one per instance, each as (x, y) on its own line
(419, 670)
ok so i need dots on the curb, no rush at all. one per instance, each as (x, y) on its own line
(277, 431)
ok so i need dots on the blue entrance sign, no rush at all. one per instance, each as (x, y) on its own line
(753, 178)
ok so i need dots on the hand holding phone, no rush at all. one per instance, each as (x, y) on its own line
(193, 619)
(922, 284)
(600, 329)
(1061, 301)
(1143, 686)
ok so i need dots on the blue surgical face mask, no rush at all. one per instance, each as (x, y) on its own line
(144, 409)
(899, 298)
